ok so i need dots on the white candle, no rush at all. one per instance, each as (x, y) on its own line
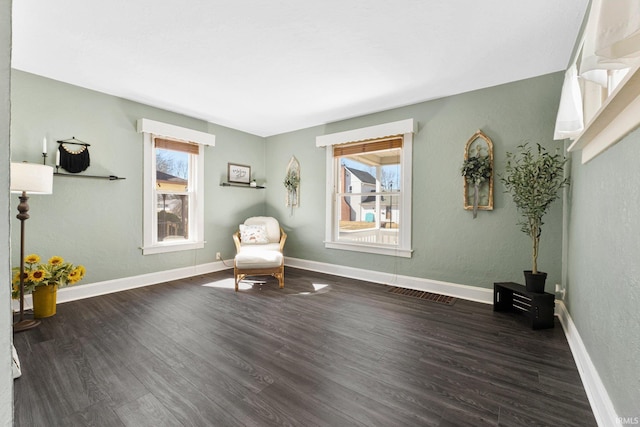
(57, 157)
(44, 145)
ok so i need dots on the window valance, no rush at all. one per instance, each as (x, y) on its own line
(175, 132)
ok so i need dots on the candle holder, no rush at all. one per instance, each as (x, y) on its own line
(44, 158)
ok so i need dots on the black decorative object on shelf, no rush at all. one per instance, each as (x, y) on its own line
(76, 161)
(73, 161)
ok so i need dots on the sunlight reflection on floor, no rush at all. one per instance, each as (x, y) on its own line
(317, 289)
(246, 284)
(228, 284)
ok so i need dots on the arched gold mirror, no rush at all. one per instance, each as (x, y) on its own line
(477, 171)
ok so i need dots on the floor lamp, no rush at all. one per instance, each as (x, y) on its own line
(33, 179)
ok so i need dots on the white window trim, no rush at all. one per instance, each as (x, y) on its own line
(609, 42)
(402, 127)
(617, 117)
(176, 132)
(151, 128)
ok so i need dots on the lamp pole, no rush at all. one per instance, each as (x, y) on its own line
(23, 324)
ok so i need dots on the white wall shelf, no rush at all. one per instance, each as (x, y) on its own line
(109, 177)
(236, 184)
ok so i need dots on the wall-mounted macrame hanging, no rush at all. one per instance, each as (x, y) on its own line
(73, 159)
(292, 183)
(477, 171)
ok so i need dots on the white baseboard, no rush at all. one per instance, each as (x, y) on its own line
(89, 290)
(470, 293)
(601, 404)
(73, 293)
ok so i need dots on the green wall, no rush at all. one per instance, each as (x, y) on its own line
(98, 223)
(603, 286)
(448, 244)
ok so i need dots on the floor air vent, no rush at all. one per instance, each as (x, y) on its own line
(442, 299)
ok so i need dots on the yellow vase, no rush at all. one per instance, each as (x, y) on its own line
(44, 301)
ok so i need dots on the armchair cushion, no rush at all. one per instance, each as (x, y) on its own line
(249, 260)
(260, 248)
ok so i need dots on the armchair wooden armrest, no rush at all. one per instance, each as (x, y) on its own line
(283, 237)
(236, 240)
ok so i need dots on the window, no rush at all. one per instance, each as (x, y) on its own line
(369, 189)
(175, 184)
(173, 187)
(600, 102)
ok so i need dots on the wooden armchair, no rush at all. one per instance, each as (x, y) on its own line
(259, 245)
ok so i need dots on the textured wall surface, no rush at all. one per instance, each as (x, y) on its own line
(6, 380)
(448, 244)
(98, 223)
(603, 289)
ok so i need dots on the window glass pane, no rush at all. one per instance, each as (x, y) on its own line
(173, 216)
(360, 173)
(172, 170)
(368, 208)
(368, 219)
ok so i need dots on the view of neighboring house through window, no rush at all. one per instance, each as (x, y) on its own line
(369, 191)
(174, 192)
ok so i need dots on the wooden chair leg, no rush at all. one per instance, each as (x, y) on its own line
(238, 277)
(280, 276)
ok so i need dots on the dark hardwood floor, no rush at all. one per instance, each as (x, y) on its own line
(323, 351)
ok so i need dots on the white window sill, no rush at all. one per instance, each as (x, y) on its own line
(619, 115)
(171, 247)
(379, 250)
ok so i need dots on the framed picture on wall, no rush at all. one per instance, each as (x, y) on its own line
(238, 173)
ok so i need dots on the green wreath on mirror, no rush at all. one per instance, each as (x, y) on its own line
(476, 170)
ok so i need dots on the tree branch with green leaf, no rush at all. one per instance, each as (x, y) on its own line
(534, 180)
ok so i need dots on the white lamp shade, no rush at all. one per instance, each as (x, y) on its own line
(32, 178)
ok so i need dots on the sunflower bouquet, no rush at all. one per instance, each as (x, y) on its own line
(55, 272)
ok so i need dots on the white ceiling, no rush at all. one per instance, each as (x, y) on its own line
(269, 67)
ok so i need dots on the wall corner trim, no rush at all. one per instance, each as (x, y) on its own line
(599, 399)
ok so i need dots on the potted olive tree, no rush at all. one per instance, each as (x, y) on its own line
(534, 179)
